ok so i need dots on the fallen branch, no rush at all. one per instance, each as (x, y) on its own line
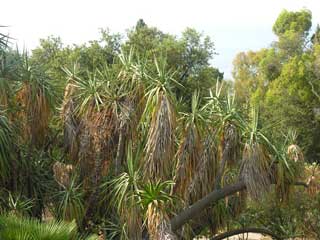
(195, 209)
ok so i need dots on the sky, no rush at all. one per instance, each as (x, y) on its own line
(233, 25)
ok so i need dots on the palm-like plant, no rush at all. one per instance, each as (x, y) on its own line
(122, 191)
(189, 152)
(160, 140)
(70, 202)
(99, 115)
(69, 116)
(19, 206)
(289, 166)
(256, 159)
(90, 124)
(155, 199)
(90, 92)
(35, 98)
(227, 119)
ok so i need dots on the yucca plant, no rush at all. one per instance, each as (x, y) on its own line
(18, 205)
(156, 199)
(227, 120)
(160, 114)
(89, 92)
(70, 202)
(206, 171)
(69, 117)
(128, 100)
(105, 104)
(90, 124)
(256, 159)
(289, 167)
(122, 192)
(190, 148)
(35, 97)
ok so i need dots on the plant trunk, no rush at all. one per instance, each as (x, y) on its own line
(120, 150)
(217, 184)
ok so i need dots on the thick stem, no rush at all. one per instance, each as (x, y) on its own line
(120, 151)
(217, 184)
(246, 230)
(195, 209)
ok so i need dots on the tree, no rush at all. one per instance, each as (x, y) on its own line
(292, 28)
(281, 79)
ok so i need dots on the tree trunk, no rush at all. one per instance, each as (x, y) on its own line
(246, 230)
(217, 184)
(203, 203)
(120, 150)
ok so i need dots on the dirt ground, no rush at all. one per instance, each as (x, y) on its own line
(250, 236)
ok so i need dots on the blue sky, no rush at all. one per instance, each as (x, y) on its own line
(233, 25)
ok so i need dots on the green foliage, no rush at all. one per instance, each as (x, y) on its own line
(156, 194)
(282, 80)
(293, 21)
(297, 218)
(69, 202)
(13, 228)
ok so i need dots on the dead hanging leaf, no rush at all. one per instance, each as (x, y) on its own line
(188, 156)
(35, 113)
(62, 173)
(98, 138)
(313, 179)
(295, 153)
(71, 124)
(160, 141)
(255, 170)
(205, 174)
(3, 100)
